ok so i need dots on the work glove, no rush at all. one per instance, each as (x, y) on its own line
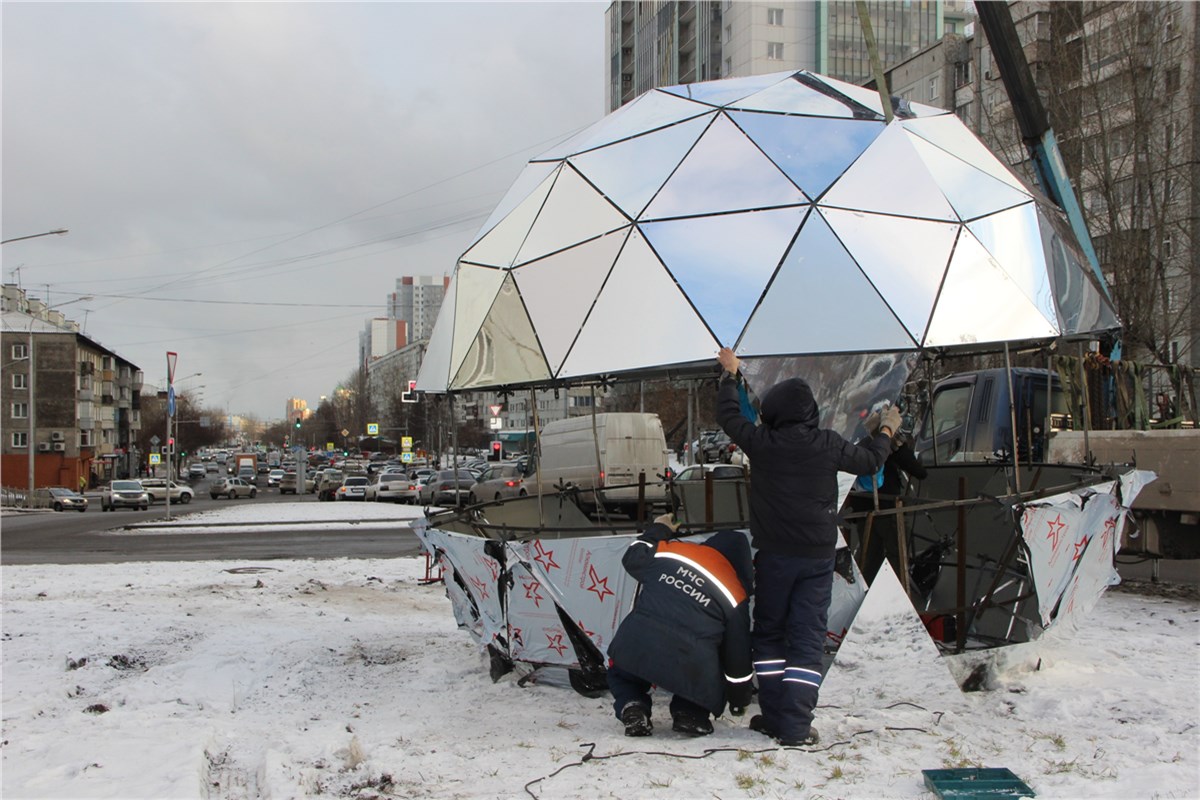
(891, 420)
(738, 695)
(872, 424)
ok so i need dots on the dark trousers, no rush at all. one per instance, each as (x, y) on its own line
(629, 688)
(791, 609)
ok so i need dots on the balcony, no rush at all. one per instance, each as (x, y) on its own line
(85, 395)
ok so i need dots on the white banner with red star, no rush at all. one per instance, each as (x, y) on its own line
(1072, 540)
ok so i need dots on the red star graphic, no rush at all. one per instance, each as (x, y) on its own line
(556, 643)
(1056, 530)
(599, 585)
(492, 567)
(480, 586)
(583, 628)
(544, 557)
(1110, 530)
(532, 593)
(1079, 548)
(517, 637)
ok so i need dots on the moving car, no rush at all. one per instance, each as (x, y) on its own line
(157, 489)
(60, 499)
(328, 482)
(394, 486)
(197, 471)
(124, 494)
(499, 482)
(232, 488)
(274, 477)
(353, 488)
(288, 483)
(447, 488)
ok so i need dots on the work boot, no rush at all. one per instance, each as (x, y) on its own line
(637, 719)
(811, 738)
(759, 725)
(691, 725)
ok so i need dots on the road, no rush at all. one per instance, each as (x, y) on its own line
(94, 537)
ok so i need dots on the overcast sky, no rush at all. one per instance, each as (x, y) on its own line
(244, 182)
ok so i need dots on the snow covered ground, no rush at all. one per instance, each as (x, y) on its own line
(349, 679)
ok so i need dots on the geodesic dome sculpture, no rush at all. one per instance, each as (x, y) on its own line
(776, 214)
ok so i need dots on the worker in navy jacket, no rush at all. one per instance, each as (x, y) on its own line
(793, 526)
(688, 632)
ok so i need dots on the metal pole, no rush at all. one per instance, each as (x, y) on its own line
(32, 429)
(1012, 413)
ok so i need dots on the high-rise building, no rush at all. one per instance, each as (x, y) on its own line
(665, 43)
(416, 301)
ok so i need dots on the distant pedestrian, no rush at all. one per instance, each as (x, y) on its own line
(793, 522)
(688, 633)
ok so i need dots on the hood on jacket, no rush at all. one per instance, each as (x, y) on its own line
(736, 549)
(790, 402)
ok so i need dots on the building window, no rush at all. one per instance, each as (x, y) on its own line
(964, 113)
(105, 362)
(18, 380)
(1169, 28)
(1166, 246)
(85, 438)
(20, 439)
(20, 352)
(774, 16)
(1172, 80)
(775, 51)
(20, 410)
(962, 73)
(933, 89)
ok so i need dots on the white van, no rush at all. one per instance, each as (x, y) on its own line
(621, 447)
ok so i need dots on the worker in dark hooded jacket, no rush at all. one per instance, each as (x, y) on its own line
(688, 632)
(793, 525)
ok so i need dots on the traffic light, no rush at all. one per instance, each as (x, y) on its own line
(297, 423)
(496, 447)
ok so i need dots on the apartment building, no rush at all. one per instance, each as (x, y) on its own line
(70, 406)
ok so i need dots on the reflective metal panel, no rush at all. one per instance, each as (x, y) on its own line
(890, 179)
(804, 310)
(559, 291)
(498, 247)
(631, 171)
(434, 375)
(718, 93)
(724, 262)
(972, 192)
(791, 97)
(530, 179)
(505, 349)
(724, 172)
(904, 258)
(980, 304)
(1082, 306)
(652, 110)
(573, 213)
(864, 97)
(948, 133)
(641, 319)
(477, 287)
(1014, 240)
(813, 152)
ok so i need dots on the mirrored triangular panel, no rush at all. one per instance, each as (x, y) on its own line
(1082, 306)
(890, 179)
(1014, 240)
(792, 97)
(724, 172)
(499, 246)
(812, 151)
(559, 290)
(905, 259)
(724, 262)
(434, 375)
(865, 97)
(718, 93)
(653, 109)
(477, 287)
(530, 179)
(505, 349)
(631, 171)
(948, 133)
(980, 304)
(804, 308)
(971, 191)
(573, 213)
(641, 319)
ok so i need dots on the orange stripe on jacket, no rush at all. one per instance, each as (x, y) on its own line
(711, 561)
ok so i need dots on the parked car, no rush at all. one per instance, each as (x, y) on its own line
(447, 488)
(232, 488)
(197, 471)
(499, 482)
(157, 489)
(354, 487)
(60, 499)
(124, 494)
(287, 484)
(393, 486)
(328, 483)
(274, 477)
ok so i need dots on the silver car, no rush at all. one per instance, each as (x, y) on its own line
(232, 488)
(124, 494)
(499, 482)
